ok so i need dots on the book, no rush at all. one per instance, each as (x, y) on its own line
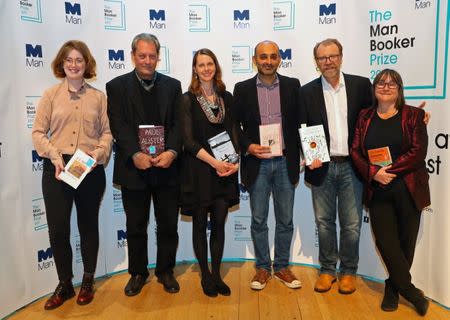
(270, 136)
(77, 168)
(151, 139)
(380, 156)
(314, 143)
(222, 148)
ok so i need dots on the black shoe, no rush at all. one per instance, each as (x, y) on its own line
(63, 292)
(222, 287)
(416, 297)
(209, 286)
(169, 282)
(390, 299)
(135, 284)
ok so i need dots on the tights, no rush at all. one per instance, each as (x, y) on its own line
(218, 214)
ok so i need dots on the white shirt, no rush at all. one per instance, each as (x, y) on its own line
(336, 105)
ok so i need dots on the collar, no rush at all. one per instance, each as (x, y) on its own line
(327, 86)
(261, 84)
(82, 89)
(147, 86)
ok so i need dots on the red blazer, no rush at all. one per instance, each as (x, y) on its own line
(410, 165)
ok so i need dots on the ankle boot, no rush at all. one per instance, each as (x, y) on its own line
(416, 297)
(86, 294)
(222, 287)
(390, 299)
(209, 286)
(63, 292)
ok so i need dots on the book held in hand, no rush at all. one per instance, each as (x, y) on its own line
(151, 139)
(77, 168)
(380, 156)
(270, 136)
(314, 143)
(223, 148)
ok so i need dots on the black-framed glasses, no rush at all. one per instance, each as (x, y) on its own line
(332, 58)
(390, 85)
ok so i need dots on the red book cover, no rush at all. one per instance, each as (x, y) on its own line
(151, 139)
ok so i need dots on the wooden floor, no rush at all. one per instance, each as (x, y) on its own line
(274, 302)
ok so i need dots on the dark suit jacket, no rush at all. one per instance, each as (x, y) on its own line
(410, 166)
(246, 110)
(313, 112)
(126, 113)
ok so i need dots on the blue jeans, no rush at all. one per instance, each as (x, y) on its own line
(341, 187)
(272, 179)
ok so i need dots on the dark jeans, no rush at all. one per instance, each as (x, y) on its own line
(58, 199)
(340, 190)
(272, 180)
(395, 223)
(137, 208)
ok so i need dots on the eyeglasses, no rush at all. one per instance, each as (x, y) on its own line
(390, 85)
(332, 58)
(70, 61)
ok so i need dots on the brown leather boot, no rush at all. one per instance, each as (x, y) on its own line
(63, 292)
(86, 294)
(347, 284)
(324, 282)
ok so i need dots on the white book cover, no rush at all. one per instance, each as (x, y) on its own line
(77, 168)
(314, 143)
(223, 148)
(270, 136)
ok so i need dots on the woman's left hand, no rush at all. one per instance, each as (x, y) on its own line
(230, 168)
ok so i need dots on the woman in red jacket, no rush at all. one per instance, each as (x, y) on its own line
(396, 182)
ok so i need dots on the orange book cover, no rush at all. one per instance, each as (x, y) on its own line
(380, 156)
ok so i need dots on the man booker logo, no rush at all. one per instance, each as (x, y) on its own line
(116, 59)
(239, 17)
(73, 13)
(286, 58)
(157, 19)
(327, 13)
(45, 259)
(33, 56)
(37, 162)
(122, 239)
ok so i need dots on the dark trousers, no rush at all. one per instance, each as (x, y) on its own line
(395, 223)
(137, 209)
(58, 199)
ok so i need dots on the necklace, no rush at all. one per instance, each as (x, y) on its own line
(210, 96)
(208, 107)
(387, 115)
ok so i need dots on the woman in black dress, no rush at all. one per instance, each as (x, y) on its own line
(207, 184)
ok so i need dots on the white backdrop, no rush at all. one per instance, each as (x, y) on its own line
(409, 35)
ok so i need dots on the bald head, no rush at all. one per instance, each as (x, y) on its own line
(264, 44)
(267, 60)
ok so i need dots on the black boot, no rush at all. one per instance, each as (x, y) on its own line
(208, 285)
(390, 299)
(221, 286)
(416, 297)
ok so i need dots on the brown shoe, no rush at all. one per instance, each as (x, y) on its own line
(260, 279)
(324, 282)
(86, 294)
(288, 278)
(347, 284)
(63, 292)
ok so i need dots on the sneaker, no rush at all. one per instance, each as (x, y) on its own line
(288, 278)
(260, 279)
